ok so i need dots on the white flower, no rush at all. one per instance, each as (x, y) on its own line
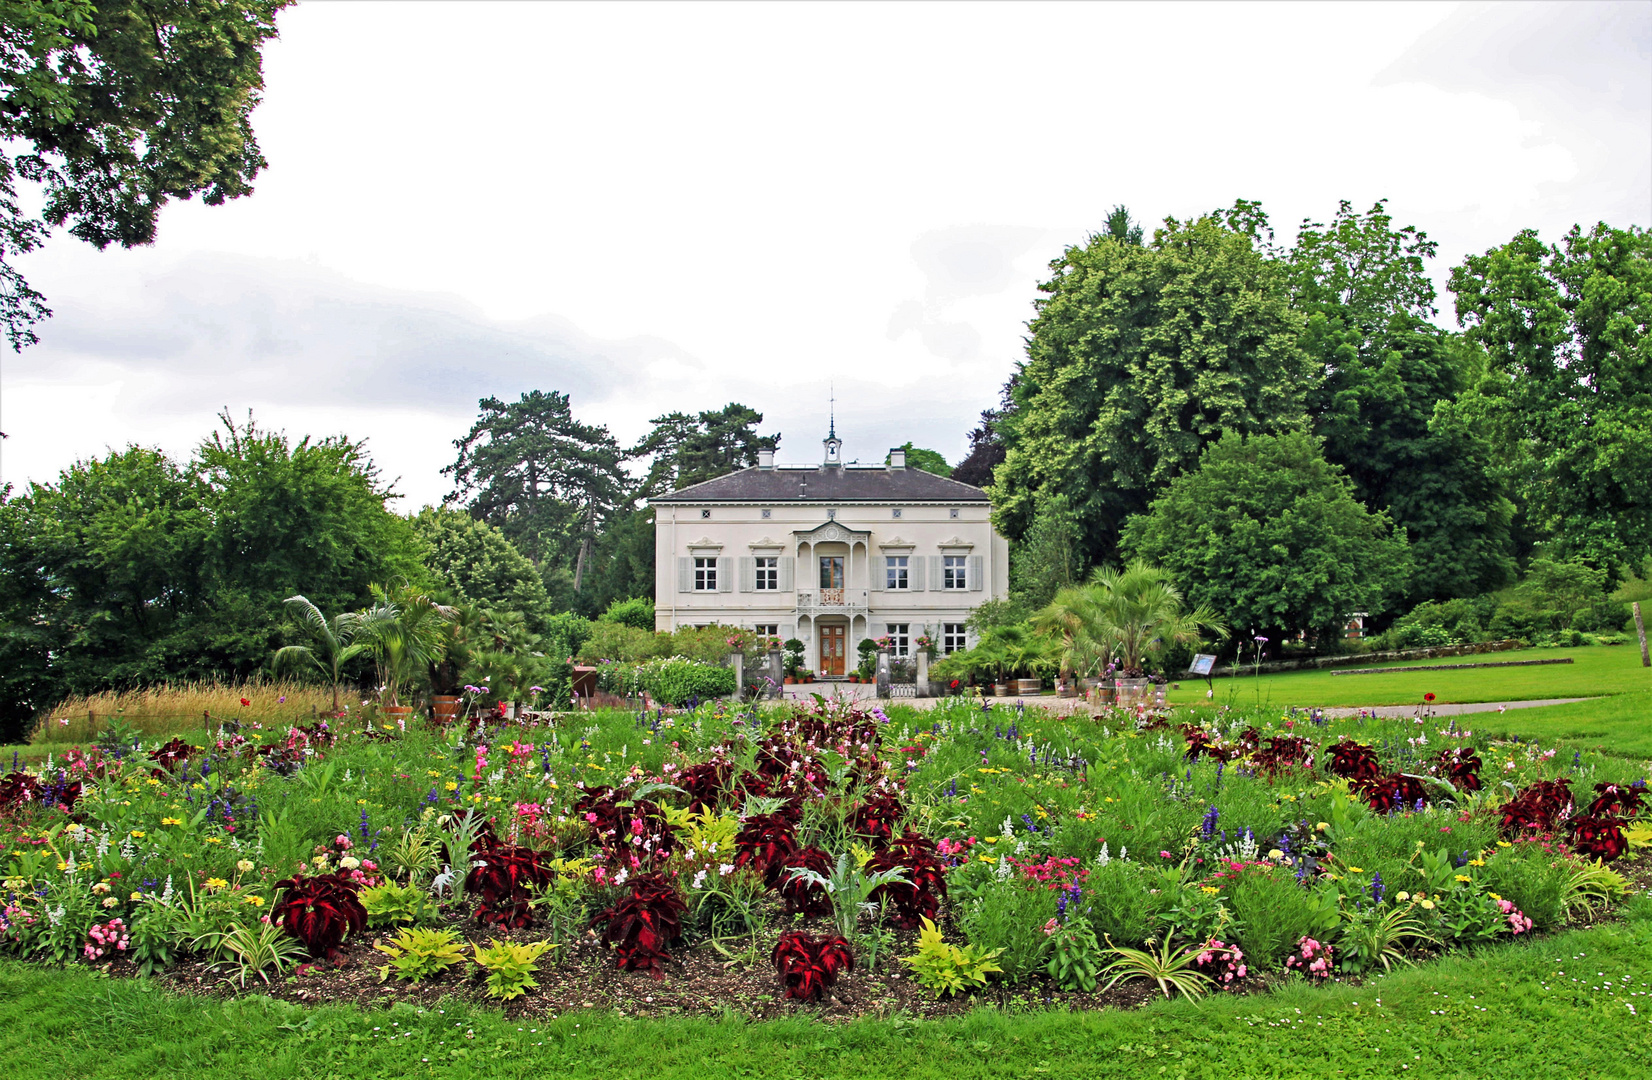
(725, 870)
(349, 862)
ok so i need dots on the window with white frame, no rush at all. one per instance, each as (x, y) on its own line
(900, 641)
(952, 638)
(766, 629)
(705, 575)
(954, 574)
(768, 573)
(895, 572)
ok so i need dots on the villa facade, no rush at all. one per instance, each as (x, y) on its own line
(829, 554)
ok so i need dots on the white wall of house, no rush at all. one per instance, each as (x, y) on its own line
(693, 538)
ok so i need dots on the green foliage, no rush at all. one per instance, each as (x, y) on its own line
(1075, 956)
(416, 954)
(1271, 913)
(510, 966)
(1535, 881)
(412, 856)
(688, 449)
(114, 109)
(636, 612)
(477, 562)
(135, 569)
(259, 949)
(850, 888)
(1049, 557)
(946, 969)
(929, 461)
(1566, 395)
(1009, 920)
(620, 642)
(1267, 533)
(1385, 405)
(1170, 968)
(1139, 356)
(544, 478)
(1378, 935)
(390, 904)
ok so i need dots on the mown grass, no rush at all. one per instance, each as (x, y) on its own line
(1574, 1005)
(1595, 671)
(1620, 725)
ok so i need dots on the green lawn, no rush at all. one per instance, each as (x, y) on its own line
(1621, 724)
(1594, 671)
(1573, 1005)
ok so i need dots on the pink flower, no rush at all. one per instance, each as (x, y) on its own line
(343, 841)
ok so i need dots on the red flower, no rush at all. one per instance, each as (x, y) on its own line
(244, 701)
(1428, 697)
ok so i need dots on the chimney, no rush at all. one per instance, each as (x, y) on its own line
(897, 457)
(765, 458)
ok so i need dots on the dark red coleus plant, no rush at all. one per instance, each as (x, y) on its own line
(18, 789)
(1622, 799)
(1537, 806)
(706, 783)
(319, 911)
(1393, 792)
(1282, 754)
(1459, 765)
(1355, 762)
(765, 842)
(920, 896)
(643, 923)
(801, 895)
(170, 753)
(876, 818)
(808, 965)
(1598, 836)
(504, 882)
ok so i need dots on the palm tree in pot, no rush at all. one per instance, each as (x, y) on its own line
(405, 632)
(1138, 613)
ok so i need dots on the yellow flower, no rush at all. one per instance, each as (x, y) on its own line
(1276, 854)
(1464, 877)
(1504, 843)
(216, 883)
(451, 786)
(1355, 870)
(172, 821)
(137, 834)
(257, 901)
(136, 896)
(1322, 826)
(1477, 862)
(1402, 895)
(244, 865)
(1428, 905)
(361, 802)
(215, 840)
(154, 781)
(1209, 890)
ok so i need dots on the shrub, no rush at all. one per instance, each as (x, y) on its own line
(1009, 919)
(1272, 912)
(677, 680)
(389, 904)
(809, 966)
(919, 896)
(510, 966)
(320, 911)
(504, 879)
(639, 927)
(636, 612)
(417, 954)
(258, 949)
(1122, 905)
(1533, 879)
(947, 969)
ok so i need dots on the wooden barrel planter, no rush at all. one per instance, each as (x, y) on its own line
(444, 707)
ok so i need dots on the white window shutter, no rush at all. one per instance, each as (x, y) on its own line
(725, 574)
(685, 575)
(936, 581)
(748, 573)
(788, 566)
(975, 564)
(878, 572)
(915, 573)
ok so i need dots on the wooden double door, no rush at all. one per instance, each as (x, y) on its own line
(834, 639)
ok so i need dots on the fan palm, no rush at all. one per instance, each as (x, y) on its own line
(330, 645)
(1137, 611)
(405, 632)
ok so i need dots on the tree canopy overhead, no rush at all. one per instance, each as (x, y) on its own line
(1269, 535)
(1139, 356)
(115, 107)
(687, 449)
(1568, 393)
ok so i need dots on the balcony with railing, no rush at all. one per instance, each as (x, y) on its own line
(832, 602)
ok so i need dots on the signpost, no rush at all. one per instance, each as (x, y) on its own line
(1203, 664)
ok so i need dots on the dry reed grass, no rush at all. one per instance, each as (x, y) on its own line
(177, 708)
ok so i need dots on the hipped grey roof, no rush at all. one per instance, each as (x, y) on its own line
(817, 484)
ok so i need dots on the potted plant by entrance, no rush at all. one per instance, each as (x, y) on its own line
(404, 633)
(1137, 614)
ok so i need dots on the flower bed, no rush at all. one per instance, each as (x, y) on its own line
(817, 857)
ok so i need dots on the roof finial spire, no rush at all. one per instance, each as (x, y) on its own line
(831, 409)
(834, 445)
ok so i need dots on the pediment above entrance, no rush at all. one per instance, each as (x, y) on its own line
(831, 532)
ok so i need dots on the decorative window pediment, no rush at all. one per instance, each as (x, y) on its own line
(896, 544)
(955, 543)
(705, 546)
(831, 532)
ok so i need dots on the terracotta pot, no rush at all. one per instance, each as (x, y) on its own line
(445, 707)
(791, 681)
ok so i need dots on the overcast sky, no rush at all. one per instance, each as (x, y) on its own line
(657, 207)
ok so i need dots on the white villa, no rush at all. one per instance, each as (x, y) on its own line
(830, 554)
